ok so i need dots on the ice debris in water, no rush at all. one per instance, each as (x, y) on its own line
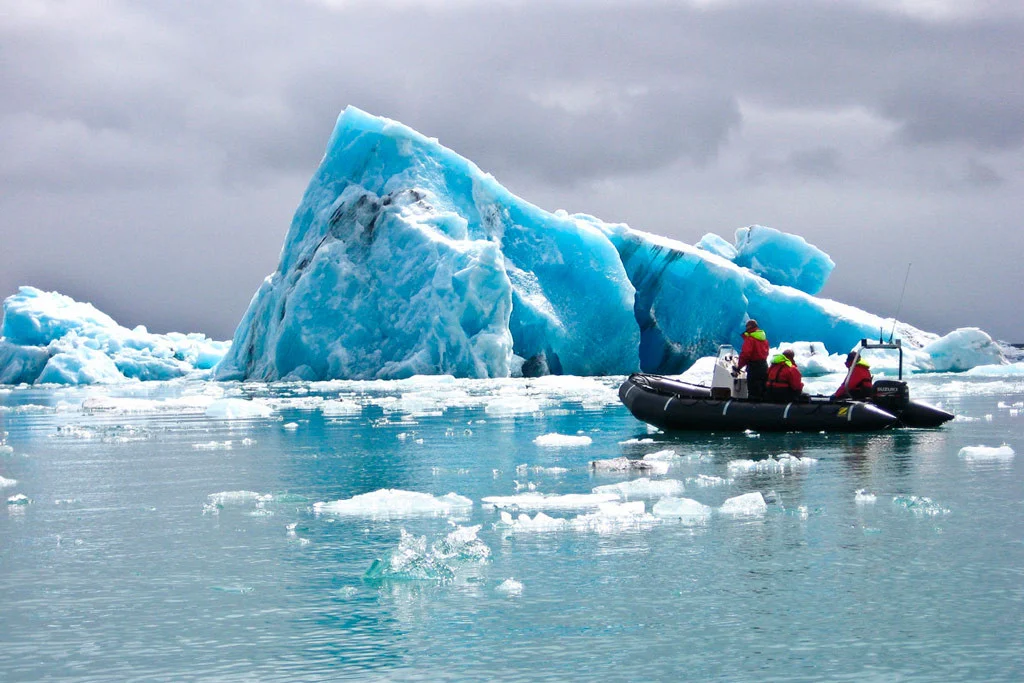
(386, 503)
(920, 505)
(222, 445)
(624, 464)
(340, 407)
(291, 426)
(708, 480)
(642, 488)
(609, 517)
(6, 483)
(665, 455)
(413, 560)
(864, 497)
(541, 501)
(19, 499)
(683, 509)
(510, 587)
(780, 464)
(746, 505)
(973, 453)
(238, 409)
(562, 441)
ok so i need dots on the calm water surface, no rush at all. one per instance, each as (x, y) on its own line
(124, 564)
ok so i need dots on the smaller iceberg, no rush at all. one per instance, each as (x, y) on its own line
(413, 560)
(49, 338)
(386, 503)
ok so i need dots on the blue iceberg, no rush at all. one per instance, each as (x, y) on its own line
(49, 338)
(405, 258)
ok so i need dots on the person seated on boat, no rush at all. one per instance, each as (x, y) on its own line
(785, 383)
(857, 384)
(754, 357)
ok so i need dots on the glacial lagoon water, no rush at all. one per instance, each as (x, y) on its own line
(153, 532)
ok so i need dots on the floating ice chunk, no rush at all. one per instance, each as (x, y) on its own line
(963, 349)
(864, 497)
(554, 471)
(612, 517)
(507, 406)
(642, 488)
(781, 464)
(6, 483)
(685, 509)
(6, 449)
(340, 407)
(555, 440)
(624, 464)
(996, 370)
(290, 426)
(748, 504)
(708, 480)
(540, 522)
(662, 456)
(238, 409)
(630, 442)
(510, 587)
(225, 498)
(18, 500)
(396, 503)
(1003, 452)
(551, 501)
(921, 506)
(412, 560)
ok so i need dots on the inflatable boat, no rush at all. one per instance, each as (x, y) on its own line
(673, 405)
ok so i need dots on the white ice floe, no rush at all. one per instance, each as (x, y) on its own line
(225, 498)
(667, 455)
(340, 407)
(746, 505)
(634, 442)
(510, 587)
(684, 509)
(18, 500)
(555, 440)
(396, 503)
(864, 497)
(976, 453)
(551, 501)
(507, 406)
(6, 449)
(642, 488)
(238, 409)
(782, 463)
(708, 480)
(609, 517)
(922, 506)
(290, 426)
(6, 483)
(222, 445)
(624, 464)
(413, 560)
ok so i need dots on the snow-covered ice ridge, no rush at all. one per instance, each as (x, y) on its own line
(404, 258)
(51, 338)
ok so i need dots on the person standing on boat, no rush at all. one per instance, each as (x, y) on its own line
(784, 380)
(754, 357)
(857, 384)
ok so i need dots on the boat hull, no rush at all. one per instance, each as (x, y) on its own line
(671, 405)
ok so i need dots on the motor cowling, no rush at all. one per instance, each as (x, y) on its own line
(890, 394)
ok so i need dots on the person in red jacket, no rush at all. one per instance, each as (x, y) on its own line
(784, 380)
(857, 384)
(754, 357)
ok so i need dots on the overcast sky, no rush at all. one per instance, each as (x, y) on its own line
(152, 153)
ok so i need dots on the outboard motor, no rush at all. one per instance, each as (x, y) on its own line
(890, 395)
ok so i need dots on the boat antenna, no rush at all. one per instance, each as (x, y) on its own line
(900, 304)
